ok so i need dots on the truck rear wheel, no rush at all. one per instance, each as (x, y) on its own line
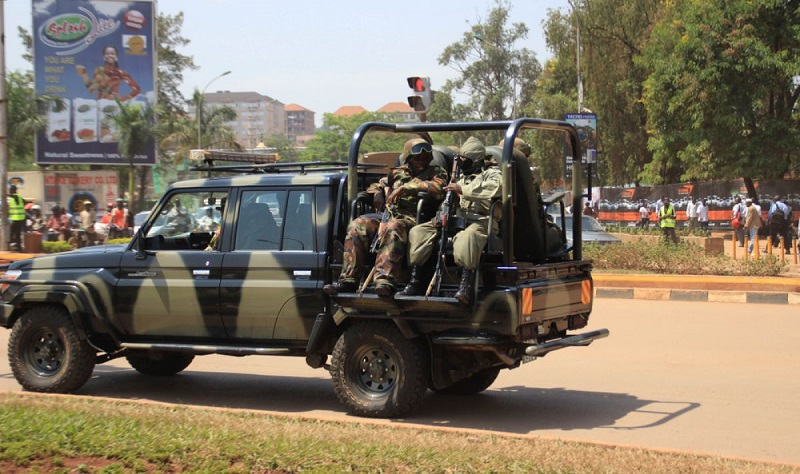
(46, 352)
(159, 363)
(475, 383)
(377, 372)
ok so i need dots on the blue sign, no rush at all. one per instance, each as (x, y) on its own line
(93, 55)
(586, 126)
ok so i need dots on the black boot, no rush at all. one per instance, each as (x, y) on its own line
(340, 287)
(414, 286)
(464, 294)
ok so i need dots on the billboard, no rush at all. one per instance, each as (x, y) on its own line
(92, 54)
(586, 125)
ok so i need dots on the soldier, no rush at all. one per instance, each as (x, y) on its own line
(476, 187)
(414, 176)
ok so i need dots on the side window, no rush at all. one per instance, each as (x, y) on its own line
(188, 220)
(299, 229)
(260, 220)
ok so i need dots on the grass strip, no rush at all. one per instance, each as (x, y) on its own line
(71, 434)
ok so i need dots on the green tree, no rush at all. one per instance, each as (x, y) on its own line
(25, 118)
(495, 76)
(333, 143)
(722, 91)
(171, 63)
(137, 129)
(213, 131)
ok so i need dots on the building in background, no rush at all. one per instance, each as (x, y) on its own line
(401, 110)
(299, 123)
(257, 116)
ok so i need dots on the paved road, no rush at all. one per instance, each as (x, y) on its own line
(713, 378)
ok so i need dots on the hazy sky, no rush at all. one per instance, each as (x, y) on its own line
(318, 54)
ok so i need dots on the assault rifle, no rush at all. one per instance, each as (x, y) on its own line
(442, 223)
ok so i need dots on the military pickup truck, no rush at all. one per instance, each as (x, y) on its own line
(234, 264)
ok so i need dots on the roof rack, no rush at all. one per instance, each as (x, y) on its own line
(209, 156)
(293, 167)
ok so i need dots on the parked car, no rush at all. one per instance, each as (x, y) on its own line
(591, 231)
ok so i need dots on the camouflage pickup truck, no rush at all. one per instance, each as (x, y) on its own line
(235, 264)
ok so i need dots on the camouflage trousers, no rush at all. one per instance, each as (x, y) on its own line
(390, 253)
(467, 244)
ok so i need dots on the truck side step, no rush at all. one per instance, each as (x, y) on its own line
(203, 349)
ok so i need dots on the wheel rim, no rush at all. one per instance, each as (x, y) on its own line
(375, 370)
(45, 354)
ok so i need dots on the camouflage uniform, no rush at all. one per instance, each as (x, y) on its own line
(393, 238)
(478, 188)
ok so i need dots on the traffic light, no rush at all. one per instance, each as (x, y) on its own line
(423, 95)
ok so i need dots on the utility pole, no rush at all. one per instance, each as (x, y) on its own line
(3, 133)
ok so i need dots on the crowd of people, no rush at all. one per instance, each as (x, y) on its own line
(402, 242)
(80, 229)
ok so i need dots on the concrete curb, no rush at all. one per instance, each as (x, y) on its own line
(714, 296)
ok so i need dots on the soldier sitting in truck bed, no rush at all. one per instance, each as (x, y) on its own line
(476, 188)
(403, 184)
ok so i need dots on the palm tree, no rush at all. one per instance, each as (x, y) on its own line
(213, 132)
(136, 129)
(26, 117)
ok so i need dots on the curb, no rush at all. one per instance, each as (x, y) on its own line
(714, 296)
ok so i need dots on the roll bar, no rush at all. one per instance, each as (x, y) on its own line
(512, 129)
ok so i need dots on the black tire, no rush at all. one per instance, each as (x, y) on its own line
(377, 372)
(159, 363)
(46, 352)
(475, 383)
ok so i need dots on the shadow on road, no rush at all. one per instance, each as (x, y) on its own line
(516, 409)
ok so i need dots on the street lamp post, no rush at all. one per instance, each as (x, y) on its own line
(200, 108)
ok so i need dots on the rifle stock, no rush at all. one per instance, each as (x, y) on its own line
(442, 224)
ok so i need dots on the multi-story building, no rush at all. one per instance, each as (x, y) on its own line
(299, 122)
(399, 109)
(257, 116)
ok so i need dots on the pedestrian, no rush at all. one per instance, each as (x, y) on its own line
(119, 220)
(691, 215)
(399, 191)
(476, 187)
(702, 215)
(588, 210)
(58, 225)
(88, 220)
(789, 234)
(737, 220)
(752, 222)
(666, 219)
(777, 217)
(17, 215)
(644, 216)
(35, 222)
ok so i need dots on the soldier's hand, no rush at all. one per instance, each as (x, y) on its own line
(455, 187)
(395, 195)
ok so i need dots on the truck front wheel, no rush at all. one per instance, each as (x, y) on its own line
(46, 353)
(377, 372)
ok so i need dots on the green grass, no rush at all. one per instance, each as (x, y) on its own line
(71, 434)
(681, 259)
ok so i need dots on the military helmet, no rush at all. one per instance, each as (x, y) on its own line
(520, 145)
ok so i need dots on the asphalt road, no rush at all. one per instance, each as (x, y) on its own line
(712, 378)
